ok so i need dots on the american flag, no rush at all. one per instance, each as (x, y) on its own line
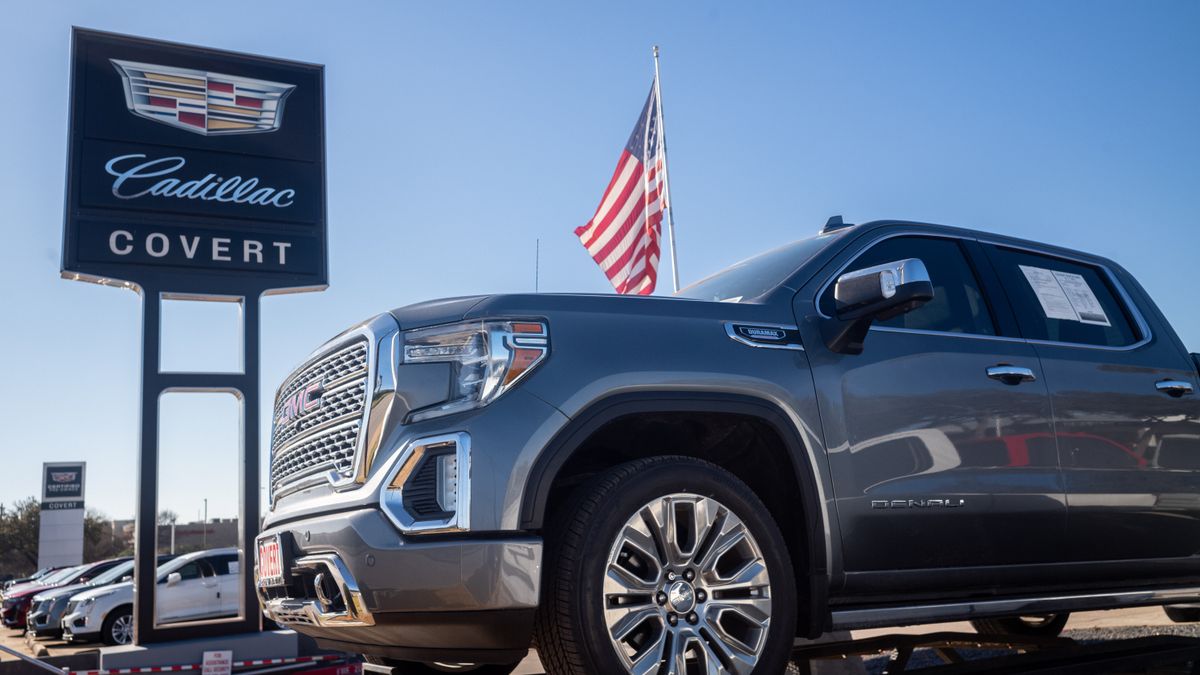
(623, 236)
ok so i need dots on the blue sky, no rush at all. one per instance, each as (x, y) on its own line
(458, 134)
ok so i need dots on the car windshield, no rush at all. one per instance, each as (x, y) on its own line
(113, 574)
(59, 575)
(753, 277)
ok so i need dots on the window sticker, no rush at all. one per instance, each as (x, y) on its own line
(1086, 305)
(1065, 295)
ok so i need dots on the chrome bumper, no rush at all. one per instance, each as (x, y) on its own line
(344, 608)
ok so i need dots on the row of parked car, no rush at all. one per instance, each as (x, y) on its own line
(94, 601)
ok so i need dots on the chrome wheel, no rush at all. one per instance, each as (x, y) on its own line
(686, 587)
(122, 629)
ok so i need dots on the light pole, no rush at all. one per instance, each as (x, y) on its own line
(205, 528)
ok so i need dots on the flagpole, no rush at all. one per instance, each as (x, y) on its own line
(662, 130)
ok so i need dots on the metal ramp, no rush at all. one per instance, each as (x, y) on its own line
(959, 654)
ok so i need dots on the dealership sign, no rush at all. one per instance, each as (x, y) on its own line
(60, 526)
(194, 169)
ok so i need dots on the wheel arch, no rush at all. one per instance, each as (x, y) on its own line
(812, 573)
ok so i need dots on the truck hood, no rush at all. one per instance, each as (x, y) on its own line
(434, 312)
(532, 305)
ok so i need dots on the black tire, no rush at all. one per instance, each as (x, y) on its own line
(1182, 614)
(110, 631)
(1043, 625)
(570, 631)
(414, 668)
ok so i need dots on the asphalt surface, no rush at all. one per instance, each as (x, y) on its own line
(1087, 626)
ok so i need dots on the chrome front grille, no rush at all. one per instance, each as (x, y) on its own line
(327, 437)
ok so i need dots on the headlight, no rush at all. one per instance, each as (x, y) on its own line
(85, 606)
(487, 358)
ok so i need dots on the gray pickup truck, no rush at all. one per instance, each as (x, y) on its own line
(884, 424)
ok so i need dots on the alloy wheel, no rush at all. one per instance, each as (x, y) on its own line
(686, 586)
(122, 629)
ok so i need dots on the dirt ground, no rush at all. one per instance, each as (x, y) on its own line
(1114, 621)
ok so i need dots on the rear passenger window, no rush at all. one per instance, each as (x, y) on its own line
(957, 306)
(1063, 301)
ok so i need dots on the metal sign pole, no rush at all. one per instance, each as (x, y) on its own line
(155, 383)
(242, 214)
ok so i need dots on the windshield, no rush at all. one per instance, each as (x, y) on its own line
(113, 574)
(59, 575)
(753, 277)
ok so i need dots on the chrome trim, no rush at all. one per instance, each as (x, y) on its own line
(1009, 374)
(931, 613)
(1135, 312)
(1174, 387)
(310, 611)
(381, 334)
(391, 499)
(750, 343)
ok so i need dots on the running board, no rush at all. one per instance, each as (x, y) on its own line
(907, 615)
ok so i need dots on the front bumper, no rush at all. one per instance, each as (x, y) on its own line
(43, 623)
(78, 627)
(356, 584)
(14, 616)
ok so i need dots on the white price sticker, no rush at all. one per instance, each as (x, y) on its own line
(1065, 295)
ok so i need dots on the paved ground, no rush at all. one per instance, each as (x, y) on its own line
(1087, 625)
(13, 640)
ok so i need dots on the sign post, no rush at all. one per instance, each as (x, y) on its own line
(60, 528)
(194, 174)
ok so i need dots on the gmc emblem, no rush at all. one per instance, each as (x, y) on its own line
(300, 403)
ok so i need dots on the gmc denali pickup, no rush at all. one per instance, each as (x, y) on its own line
(889, 423)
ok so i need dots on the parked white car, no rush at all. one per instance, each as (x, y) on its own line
(200, 585)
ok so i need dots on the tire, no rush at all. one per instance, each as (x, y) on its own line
(414, 668)
(117, 628)
(1041, 625)
(600, 553)
(1182, 614)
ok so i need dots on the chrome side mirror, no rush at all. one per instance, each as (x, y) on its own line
(875, 293)
(173, 579)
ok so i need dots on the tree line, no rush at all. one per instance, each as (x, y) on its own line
(19, 524)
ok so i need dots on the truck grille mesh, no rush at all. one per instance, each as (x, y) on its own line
(327, 437)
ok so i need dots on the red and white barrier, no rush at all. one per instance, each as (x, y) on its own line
(250, 663)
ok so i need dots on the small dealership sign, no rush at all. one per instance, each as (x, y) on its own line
(62, 482)
(199, 166)
(60, 527)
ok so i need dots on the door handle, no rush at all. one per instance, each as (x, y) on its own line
(1009, 374)
(1174, 388)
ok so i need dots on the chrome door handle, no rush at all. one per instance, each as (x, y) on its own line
(1010, 374)
(1174, 388)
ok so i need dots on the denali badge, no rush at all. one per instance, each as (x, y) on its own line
(202, 102)
(300, 403)
(917, 503)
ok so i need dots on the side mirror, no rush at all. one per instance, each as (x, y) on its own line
(127, 577)
(173, 579)
(874, 293)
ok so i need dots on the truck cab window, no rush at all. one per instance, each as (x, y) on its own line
(1038, 285)
(958, 305)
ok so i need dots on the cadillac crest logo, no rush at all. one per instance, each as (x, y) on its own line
(201, 102)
